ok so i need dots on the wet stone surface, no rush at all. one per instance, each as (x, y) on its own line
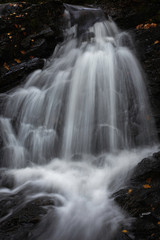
(27, 32)
(141, 199)
(24, 219)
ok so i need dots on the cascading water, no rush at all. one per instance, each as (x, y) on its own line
(76, 128)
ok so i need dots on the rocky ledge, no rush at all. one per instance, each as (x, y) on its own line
(141, 200)
(28, 34)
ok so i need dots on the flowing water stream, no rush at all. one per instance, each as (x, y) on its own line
(75, 129)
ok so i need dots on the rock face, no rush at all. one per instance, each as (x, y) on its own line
(28, 33)
(25, 219)
(148, 46)
(141, 199)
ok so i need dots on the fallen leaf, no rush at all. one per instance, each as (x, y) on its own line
(6, 66)
(8, 34)
(10, 37)
(158, 223)
(156, 42)
(124, 231)
(140, 26)
(153, 25)
(16, 25)
(17, 60)
(23, 29)
(23, 52)
(146, 26)
(146, 186)
(31, 57)
(130, 190)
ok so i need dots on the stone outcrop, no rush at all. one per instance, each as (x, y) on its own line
(28, 33)
(141, 198)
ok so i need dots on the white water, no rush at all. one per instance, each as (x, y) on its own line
(75, 129)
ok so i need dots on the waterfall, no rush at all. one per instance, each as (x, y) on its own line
(76, 127)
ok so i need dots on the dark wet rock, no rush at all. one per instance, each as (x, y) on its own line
(24, 218)
(129, 13)
(30, 31)
(149, 54)
(123, 236)
(142, 197)
(17, 73)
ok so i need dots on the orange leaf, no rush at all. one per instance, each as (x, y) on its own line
(16, 25)
(23, 52)
(146, 186)
(146, 26)
(130, 190)
(6, 66)
(140, 26)
(153, 25)
(124, 231)
(31, 57)
(156, 42)
(158, 223)
(17, 60)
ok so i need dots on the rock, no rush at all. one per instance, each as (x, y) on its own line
(141, 199)
(17, 73)
(24, 218)
(149, 54)
(27, 31)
